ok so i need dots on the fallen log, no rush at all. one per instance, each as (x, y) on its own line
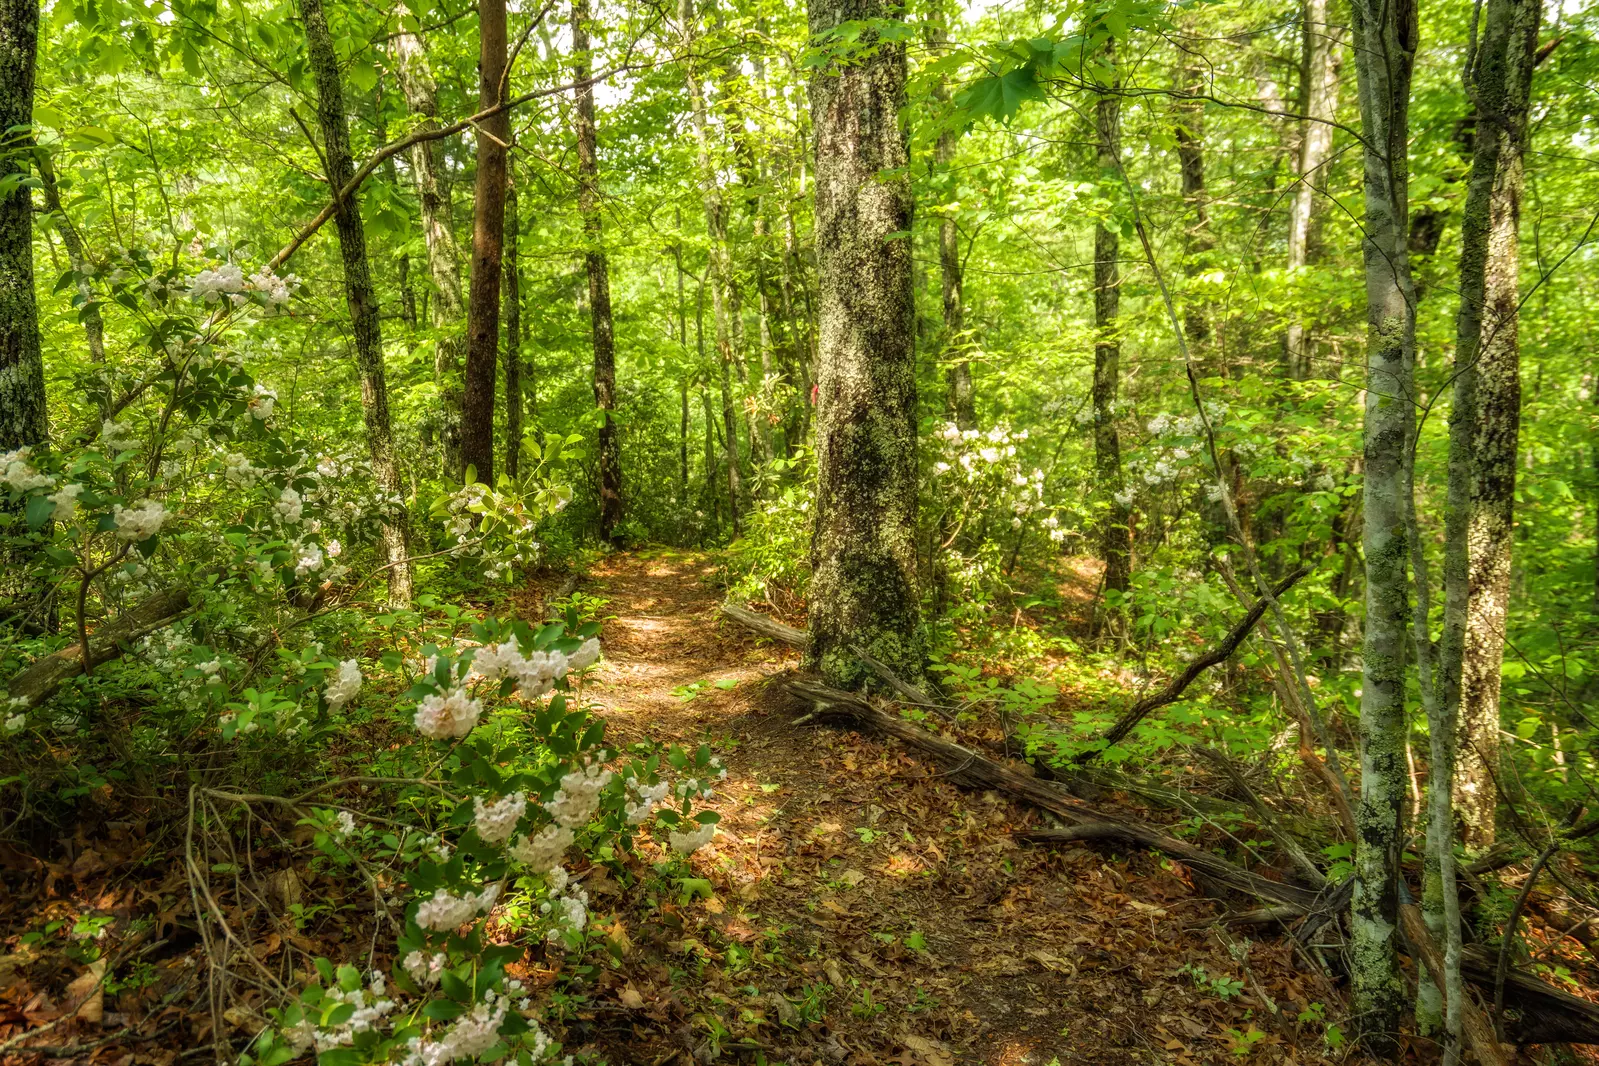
(1176, 686)
(767, 627)
(1477, 1029)
(965, 766)
(1537, 1014)
(44, 677)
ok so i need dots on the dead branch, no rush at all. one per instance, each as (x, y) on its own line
(767, 627)
(1478, 1029)
(1174, 689)
(40, 680)
(975, 770)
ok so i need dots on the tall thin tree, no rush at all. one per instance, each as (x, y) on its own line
(863, 554)
(23, 419)
(1115, 536)
(358, 292)
(488, 245)
(1385, 34)
(599, 274)
(1318, 102)
(1486, 422)
(511, 308)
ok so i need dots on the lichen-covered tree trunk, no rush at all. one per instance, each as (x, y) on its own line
(961, 400)
(588, 195)
(863, 551)
(488, 246)
(1115, 538)
(438, 237)
(1487, 341)
(1385, 34)
(1199, 240)
(724, 307)
(23, 419)
(511, 309)
(1319, 68)
(93, 324)
(358, 293)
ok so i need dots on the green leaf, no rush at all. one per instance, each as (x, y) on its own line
(1000, 96)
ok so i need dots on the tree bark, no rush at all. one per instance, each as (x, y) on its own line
(23, 419)
(724, 297)
(1319, 70)
(359, 295)
(962, 399)
(488, 241)
(863, 551)
(438, 236)
(588, 196)
(1199, 240)
(93, 324)
(1385, 42)
(1115, 537)
(1490, 411)
(511, 308)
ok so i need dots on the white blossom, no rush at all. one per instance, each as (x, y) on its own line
(543, 852)
(66, 501)
(290, 505)
(496, 821)
(579, 796)
(686, 843)
(16, 471)
(447, 911)
(345, 684)
(447, 717)
(141, 522)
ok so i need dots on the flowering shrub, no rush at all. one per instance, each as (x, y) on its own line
(518, 791)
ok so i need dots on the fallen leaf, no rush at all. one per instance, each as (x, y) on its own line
(630, 998)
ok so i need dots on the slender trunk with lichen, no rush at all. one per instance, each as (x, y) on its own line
(358, 294)
(724, 308)
(1319, 104)
(438, 237)
(1488, 332)
(511, 310)
(863, 551)
(89, 307)
(1115, 537)
(1385, 33)
(961, 399)
(599, 275)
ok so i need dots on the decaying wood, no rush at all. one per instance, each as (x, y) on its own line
(970, 768)
(1479, 1031)
(1174, 689)
(1538, 1013)
(767, 627)
(40, 680)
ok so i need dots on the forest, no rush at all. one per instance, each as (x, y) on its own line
(846, 533)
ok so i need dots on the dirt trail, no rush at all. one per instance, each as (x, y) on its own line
(865, 911)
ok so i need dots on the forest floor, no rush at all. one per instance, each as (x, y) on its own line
(857, 909)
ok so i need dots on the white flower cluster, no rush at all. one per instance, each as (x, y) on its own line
(425, 970)
(238, 470)
(447, 717)
(690, 841)
(261, 402)
(471, 1036)
(290, 506)
(567, 905)
(210, 286)
(648, 798)
(575, 802)
(66, 501)
(16, 723)
(370, 1006)
(274, 290)
(535, 673)
(345, 684)
(141, 522)
(117, 436)
(16, 471)
(495, 822)
(446, 911)
(543, 852)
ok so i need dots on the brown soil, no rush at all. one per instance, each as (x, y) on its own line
(866, 911)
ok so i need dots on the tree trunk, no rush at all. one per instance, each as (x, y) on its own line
(961, 400)
(724, 298)
(511, 307)
(588, 195)
(438, 236)
(863, 551)
(358, 294)
(23, 419)
(1115, 537)
(488, 241)
(1487, 343)
(1319, 103)
(1385, 41)
(93, 324)
(1198, 238)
